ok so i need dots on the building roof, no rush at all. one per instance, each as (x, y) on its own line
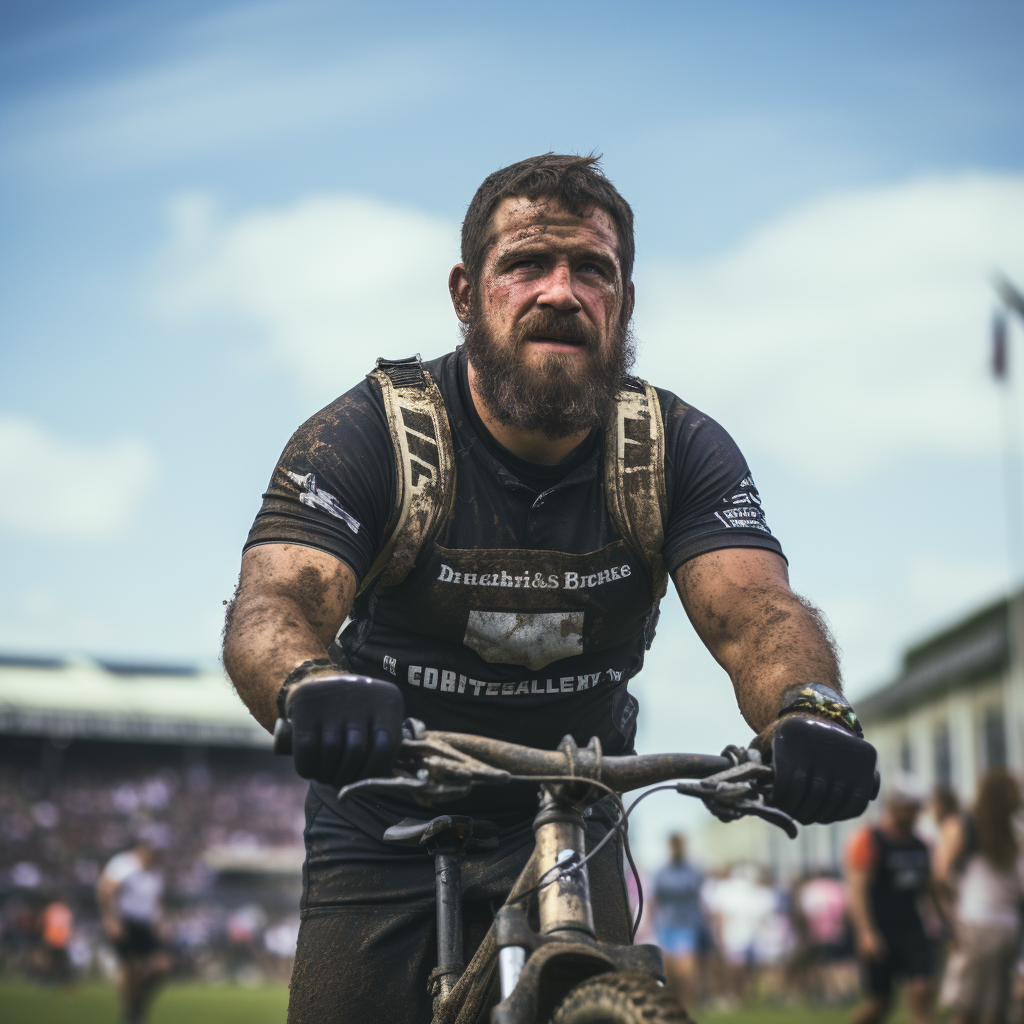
(83, 698)
(973, 649)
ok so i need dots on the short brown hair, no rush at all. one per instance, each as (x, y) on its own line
(577, 182)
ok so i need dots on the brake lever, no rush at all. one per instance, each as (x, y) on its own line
(736, 792)
(424, 791)
(770, 814)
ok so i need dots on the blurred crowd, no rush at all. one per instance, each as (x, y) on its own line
(138, 867)
(205, 828)
(938, 914)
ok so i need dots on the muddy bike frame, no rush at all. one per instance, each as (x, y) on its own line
(537, 967)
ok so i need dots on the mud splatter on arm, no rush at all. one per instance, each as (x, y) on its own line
(290, 603)
(765, 636)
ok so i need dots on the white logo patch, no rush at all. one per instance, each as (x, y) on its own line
(317, 497)
(533, 639)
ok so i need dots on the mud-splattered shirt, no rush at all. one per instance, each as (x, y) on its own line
(527, 616)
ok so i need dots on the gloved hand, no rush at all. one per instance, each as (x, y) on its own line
(823, 772)
(344, 727)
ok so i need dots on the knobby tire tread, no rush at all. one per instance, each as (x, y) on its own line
(620, 998)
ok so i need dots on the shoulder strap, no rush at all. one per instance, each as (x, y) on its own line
(424, 465)
(634, 475)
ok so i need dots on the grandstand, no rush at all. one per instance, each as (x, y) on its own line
(95, 755)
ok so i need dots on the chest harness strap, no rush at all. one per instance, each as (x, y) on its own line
(634, 470)
(424, 466)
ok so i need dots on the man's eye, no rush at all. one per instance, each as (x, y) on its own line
(591, 268)
(526, 264)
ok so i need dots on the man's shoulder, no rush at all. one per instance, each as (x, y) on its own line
(678, 414)
(356, 414)
(121, 865)
(862, 849)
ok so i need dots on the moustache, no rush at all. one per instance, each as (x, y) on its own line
(561, 326)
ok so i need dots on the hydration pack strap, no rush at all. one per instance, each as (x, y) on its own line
(424, 465)
(634, 470)
(634, 476)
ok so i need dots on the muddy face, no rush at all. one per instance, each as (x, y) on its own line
(546, 326)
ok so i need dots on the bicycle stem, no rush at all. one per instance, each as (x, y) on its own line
(563, 905)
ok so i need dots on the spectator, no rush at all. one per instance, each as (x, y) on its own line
(679, 919)
(979, 975)
(888, 870)
(741, 906)
(57, 928)
(948, 857)
(128, 893)
(822, 964)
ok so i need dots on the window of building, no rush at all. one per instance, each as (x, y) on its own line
(995, 738)
(906, 756)
(943, 755)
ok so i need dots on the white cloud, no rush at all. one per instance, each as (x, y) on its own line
(66, 489)
(850, 332)
(332, 282)
(847, 334)
(220, 81)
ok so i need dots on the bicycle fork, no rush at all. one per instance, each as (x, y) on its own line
(563, 906)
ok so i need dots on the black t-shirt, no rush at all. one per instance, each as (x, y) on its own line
(899, 879)
(528, 615)
(712, 500)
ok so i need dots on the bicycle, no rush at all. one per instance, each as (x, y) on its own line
(559, 972)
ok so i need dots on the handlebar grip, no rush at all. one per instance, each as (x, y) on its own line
(283, 736)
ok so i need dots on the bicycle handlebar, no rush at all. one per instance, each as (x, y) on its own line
(621, 772)
(432, 767)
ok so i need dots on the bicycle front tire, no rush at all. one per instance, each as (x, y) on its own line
(620, 998)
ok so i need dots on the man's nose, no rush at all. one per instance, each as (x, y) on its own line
(556, 291)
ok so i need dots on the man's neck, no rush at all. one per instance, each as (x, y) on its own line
(532, 445)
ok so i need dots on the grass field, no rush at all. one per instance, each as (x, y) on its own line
(21, 1003)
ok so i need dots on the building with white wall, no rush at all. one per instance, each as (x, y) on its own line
(955, 709)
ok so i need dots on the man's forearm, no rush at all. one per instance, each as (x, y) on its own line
(860, 910)
(789, 646)
(290, 603)
(766, 637)
(264, 639)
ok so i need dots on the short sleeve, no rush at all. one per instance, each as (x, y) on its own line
(121, 866)
(712, 500)
(333, 486)
(861, 853)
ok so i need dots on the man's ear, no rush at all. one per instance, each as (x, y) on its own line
(630, 301)
(461, 291)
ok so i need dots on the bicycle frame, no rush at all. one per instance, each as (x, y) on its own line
(536, 968)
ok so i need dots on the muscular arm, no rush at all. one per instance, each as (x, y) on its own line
(869, 942)
(290, 603)
(766, 637)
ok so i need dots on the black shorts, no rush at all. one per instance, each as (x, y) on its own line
(908, 955)
(367, 941)
(137, 939)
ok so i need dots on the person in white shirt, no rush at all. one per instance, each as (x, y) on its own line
(987, 906)
(128, 892)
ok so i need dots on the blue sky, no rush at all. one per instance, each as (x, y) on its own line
(216, 215)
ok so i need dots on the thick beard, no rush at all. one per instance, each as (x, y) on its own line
(557, 397)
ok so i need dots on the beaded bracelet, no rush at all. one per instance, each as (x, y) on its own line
(820, 699)
(297, 673)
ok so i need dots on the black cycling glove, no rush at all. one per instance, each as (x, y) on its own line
(823, 772)
(344, 727)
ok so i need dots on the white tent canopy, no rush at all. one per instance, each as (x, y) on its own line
(82, 698)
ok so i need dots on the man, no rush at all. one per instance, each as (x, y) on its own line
(679, 918)
(527, 598)
(128, 892)
(889, 873)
